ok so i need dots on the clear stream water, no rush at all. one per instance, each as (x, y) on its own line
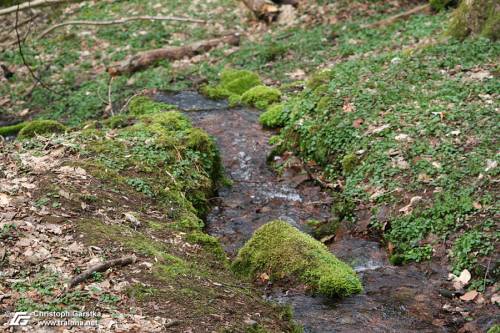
(395, 299)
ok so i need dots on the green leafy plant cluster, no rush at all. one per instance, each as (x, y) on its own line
(403, 122)
(273, 117)
(285, 253)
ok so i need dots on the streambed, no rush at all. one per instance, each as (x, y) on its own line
(395, 299)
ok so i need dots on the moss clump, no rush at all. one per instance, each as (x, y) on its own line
(233, 84)
(144, 105)
(349, 162)
(119, 121)
(261, 96)
(40, 127)
(159, 123)
(286, 253)
(273, 117)
(209, 243)
(475, 17)
(11, 129)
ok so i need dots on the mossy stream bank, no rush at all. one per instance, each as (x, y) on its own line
(395, 299)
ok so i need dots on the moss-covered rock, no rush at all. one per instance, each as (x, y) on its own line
(273, 117)
(11, 129)
(242, 86)
(40, 127)
(233, 83)
(261, 96)
(284, 252)
(476, 17)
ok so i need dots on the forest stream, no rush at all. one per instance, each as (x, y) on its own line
(395, 299)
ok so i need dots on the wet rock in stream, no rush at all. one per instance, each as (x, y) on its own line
(396, 299)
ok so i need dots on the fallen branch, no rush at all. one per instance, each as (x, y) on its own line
(145, 59)
(400, 16)
(120, 21)
(101, 268)
(31, 4)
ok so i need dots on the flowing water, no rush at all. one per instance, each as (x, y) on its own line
(395, 299)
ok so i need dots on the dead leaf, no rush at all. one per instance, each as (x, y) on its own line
(462, 280)
(495, 299)
(348, 107)
(464, 277)
(403, 137)
(490, 165)
(297, 74)
(4, 200)
(357, 123)
(378, 129)
(469, 296)
(423, 177)
(413, 201)
(264, 277)
(477, 205)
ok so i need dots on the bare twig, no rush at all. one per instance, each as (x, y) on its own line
(31, 4)
(20, 48)
(400, 16)
(121, 21)
(110, 101)
(142, 92)
(101, 268)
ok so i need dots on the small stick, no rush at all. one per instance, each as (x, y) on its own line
(120, 21)
(110, 101)
(101, 268)
(397, 17)
(31, 4)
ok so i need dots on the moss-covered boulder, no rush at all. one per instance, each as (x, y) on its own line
(41, 127)
(11, 129)
(476, 17)
(233, 83)
(261, 97)
(285, 253)
(273, 117)
(242, 86)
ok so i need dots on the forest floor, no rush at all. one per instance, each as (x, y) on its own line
(392, 129)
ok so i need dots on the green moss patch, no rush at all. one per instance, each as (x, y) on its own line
(11, 129)
(261, 96)
(233, 83)
(284, 252)
(143, 105)
(273, 117)
(41, 127)
(242, 86)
